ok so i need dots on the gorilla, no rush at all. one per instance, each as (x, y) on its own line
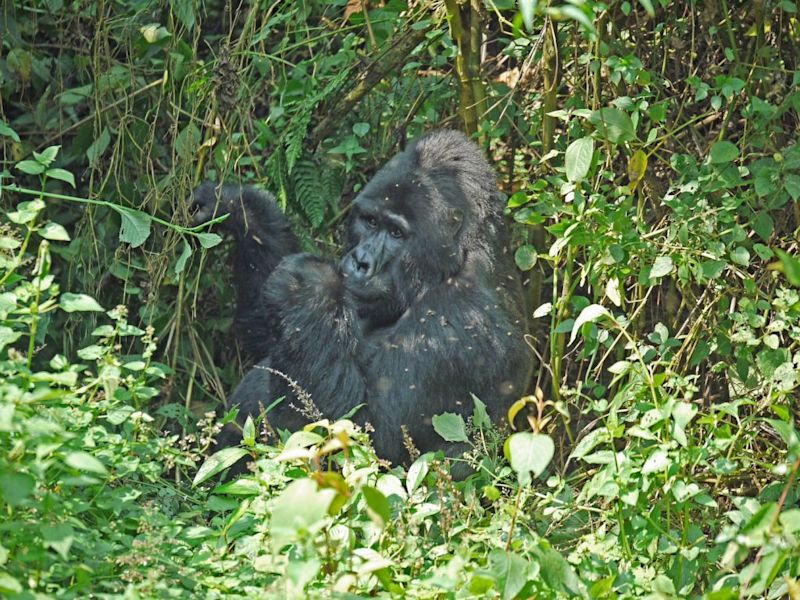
(424, 308)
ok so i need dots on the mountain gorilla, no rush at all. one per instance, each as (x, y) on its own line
(424, 308)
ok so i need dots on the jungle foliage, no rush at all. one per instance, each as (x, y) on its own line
(650, 157)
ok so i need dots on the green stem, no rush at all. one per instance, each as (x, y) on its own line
(185, 230)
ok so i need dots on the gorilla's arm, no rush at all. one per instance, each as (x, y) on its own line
(316, 338)
(263, 238)
(457, 341)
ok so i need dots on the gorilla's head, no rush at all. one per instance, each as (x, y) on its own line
(429, 213)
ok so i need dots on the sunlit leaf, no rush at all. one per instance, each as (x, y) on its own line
(529, 454)
(218, 462)
(590, 314)
(79, 303)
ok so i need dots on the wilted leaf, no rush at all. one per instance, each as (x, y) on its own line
(637, 167)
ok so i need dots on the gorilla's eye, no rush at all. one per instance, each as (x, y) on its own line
(371, 221)
(395, 232)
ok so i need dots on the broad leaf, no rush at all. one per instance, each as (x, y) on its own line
(450, 426)
(578, 159)
(218, 462)
(134, 226)
(79, 303)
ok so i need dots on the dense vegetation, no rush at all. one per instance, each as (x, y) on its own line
(649, 152)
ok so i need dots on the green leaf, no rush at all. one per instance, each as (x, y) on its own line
(154, 33)
(377, 505)
(61, 175)
(656, 462)
(361, 129)
(510, 571)
(79, 303)
(218, 462)
(31, 167)
(300, 508)
(790, 267)
(244, 486)
(529, 453)
(417, 473)
(740, 256)
(26, 212)
(8, 584)
(613, 124)
(712, 269)
(185, 11)
(723, 152)
(527, 9)
(526, 257)
(8, 336)
(648, 7)
(763, 225)
(578, 159)
(208, 240)
(760, 524)
(566, 11)
(6, 131)
(637, 167)
(83, 461)
(556, 572)
(450, 426)
(15, 487)
(134, 226)
(791, 184)
(98, 147)
(55, 232)
(480, 417)
(590, 314)
(186, 252)
(662, 266)
(58, 537)
(47, 156)
(249, 432)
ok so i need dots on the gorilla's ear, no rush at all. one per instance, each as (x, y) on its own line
(454, 218)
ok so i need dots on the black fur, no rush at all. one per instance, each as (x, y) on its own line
(424, 308)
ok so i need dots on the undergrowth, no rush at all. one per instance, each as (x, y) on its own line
(650, 158)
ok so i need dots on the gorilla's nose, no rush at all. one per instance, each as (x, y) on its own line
(357, 265)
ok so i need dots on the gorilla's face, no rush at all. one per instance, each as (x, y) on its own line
(378, 240)
(406, 231)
